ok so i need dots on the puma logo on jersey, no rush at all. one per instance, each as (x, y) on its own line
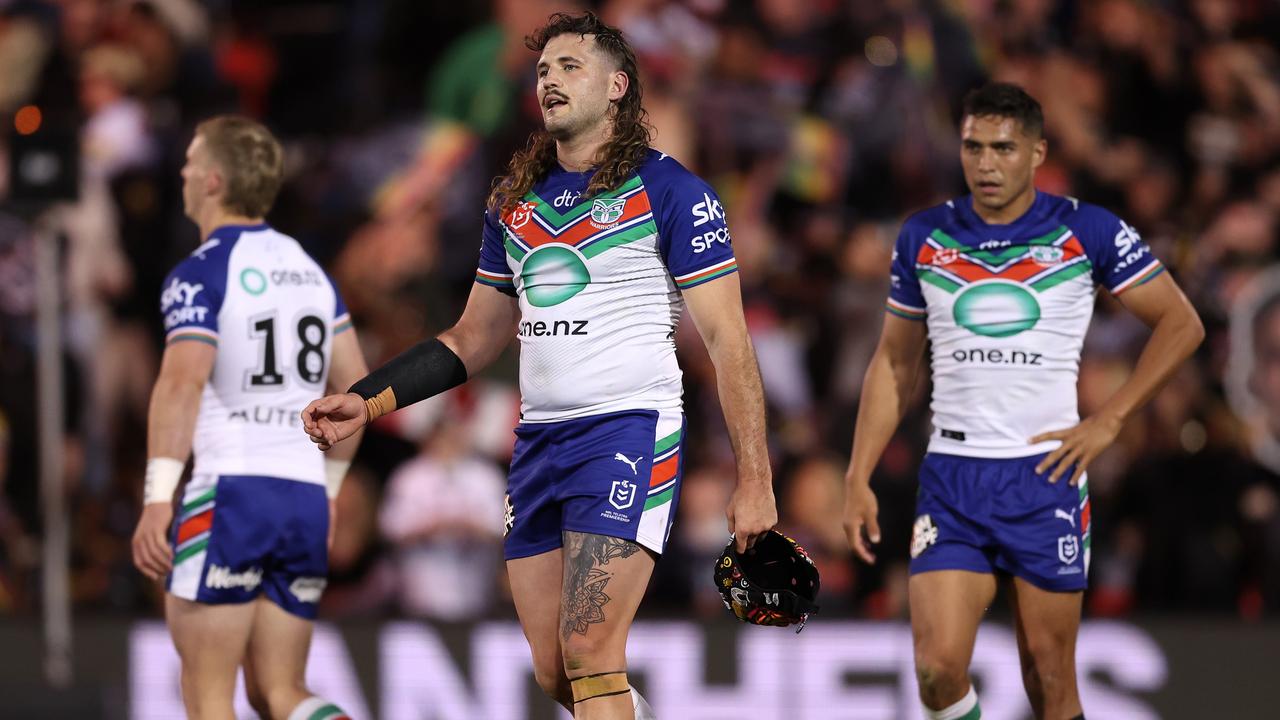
(1069, 517)
(632, 463)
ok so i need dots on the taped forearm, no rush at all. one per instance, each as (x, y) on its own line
(424, 370)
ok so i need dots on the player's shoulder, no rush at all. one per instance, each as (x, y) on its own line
(942, 216)
(1093, 224)
(210, 258)
(661, 172)
(1073, 211)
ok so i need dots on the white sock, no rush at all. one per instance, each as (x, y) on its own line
(642, 709)
(966, 709)
(314, 708)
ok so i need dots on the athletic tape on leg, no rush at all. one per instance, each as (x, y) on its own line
(590, 687)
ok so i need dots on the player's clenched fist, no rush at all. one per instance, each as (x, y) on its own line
(860, 513)
(151, 552)
(333, 418)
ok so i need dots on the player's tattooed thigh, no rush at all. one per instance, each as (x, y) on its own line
(586, 578)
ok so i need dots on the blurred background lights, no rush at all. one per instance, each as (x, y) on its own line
(27, 120)
(881, 51)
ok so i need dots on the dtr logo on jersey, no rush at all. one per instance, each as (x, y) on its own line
(623, 494)
(707, 210)
(606, 212)
(566, 199)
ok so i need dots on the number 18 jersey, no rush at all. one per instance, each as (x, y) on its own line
(272, 313)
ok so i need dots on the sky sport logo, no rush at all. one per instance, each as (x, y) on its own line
(221, 578)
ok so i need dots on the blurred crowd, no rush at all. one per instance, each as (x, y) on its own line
(820, 123)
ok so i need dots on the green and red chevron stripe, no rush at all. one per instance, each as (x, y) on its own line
(1040, 263)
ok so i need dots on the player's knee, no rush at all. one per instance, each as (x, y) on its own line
(586, 654)
(940, 678)
(549, 674)
(1048, 657)
(257, 700)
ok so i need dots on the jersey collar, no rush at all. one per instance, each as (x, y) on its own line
(232, 232)
(966, 208)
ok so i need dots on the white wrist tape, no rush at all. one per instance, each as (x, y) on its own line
(335, 471)
(162, 476)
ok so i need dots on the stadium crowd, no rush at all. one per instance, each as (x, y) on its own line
(822, 124)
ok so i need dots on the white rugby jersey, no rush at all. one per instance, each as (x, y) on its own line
(599, 284)
(272, 313)
(1007, 308)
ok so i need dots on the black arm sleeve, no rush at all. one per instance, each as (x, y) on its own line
(426, 369)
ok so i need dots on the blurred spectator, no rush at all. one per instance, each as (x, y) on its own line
(442, 514)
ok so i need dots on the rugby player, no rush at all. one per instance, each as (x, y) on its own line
(254, 329)
(1002, 284)
(593, 243)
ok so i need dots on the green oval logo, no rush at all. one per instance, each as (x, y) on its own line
(253, 281)
(552, 274)
(996, 309)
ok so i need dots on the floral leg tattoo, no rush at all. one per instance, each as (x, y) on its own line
(582, 604)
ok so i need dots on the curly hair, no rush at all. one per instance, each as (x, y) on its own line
(628, 143)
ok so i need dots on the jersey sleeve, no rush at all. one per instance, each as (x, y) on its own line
(493, 269)
(905, 297)
(341, 316)
(693, 235)
(1120, 258)
(191, 299)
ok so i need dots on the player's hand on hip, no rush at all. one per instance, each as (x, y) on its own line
(151, 552)
(861, 511)
(752, 512)
(1080, 445)
(333, 418)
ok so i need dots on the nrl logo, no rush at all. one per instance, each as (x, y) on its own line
(623, 494)
(1068, 549)
(606, 212)
(521, 214)
(1046, 254)
(946, 256)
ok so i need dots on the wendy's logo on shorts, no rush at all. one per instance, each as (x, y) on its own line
(623, 494)
(509, 518)
(1068, 549)
(923, 534)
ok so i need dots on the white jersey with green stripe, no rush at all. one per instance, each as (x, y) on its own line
(1007, 308)
(599, 281)
(271, 312)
